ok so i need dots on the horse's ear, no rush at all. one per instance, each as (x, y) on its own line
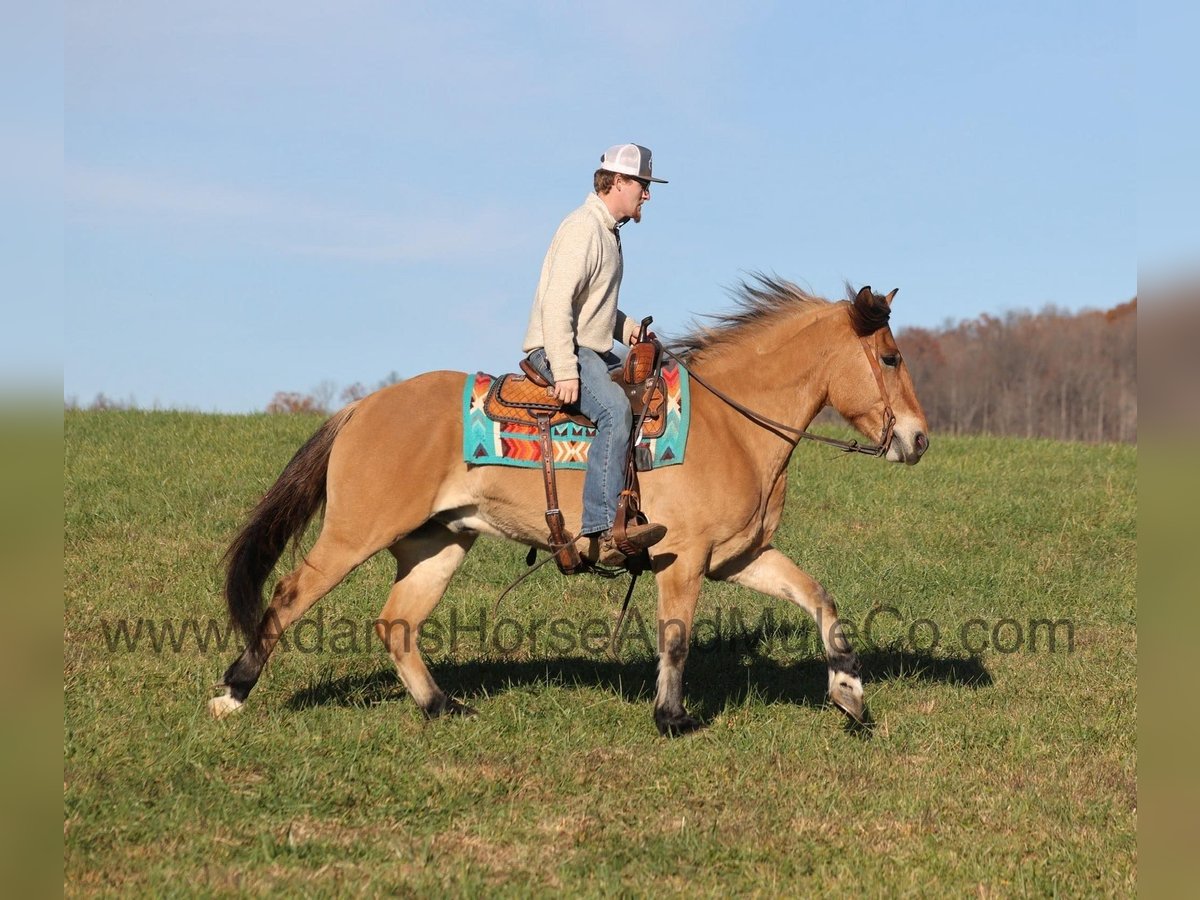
(869, 312)
(890, 296)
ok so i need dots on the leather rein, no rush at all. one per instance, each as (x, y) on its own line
(784, 431)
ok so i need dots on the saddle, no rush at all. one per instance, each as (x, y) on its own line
(528, 399)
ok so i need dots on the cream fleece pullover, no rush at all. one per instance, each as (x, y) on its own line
(576, 299)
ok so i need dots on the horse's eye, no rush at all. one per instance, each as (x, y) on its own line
(891, 360)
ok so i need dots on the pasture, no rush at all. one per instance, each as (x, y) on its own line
(992, 588)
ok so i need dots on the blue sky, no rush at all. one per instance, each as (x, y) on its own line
(266, 196)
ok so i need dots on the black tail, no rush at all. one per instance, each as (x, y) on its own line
(280, 516)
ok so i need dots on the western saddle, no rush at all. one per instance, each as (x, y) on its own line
(528, 399)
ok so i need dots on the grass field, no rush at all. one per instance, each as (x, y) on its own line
(995, 768)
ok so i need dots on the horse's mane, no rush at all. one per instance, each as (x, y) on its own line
(761, 300)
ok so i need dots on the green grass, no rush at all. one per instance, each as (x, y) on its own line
(987, 773)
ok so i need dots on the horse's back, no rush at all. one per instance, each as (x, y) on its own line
(410, 431)
(420, 401)
(442, 379)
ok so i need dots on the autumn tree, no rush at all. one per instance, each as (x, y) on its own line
(1049, 374)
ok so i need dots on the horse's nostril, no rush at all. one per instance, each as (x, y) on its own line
(921, 442)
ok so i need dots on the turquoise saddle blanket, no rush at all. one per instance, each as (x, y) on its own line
(490, 443)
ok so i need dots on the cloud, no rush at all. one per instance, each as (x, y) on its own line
(94, 193)
(31, 159)
(135, 22)
(104, 199)
(480, 235)
(218, 49)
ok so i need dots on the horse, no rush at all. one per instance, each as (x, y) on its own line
(389, 471)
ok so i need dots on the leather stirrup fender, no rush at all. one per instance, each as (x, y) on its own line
(562, 543)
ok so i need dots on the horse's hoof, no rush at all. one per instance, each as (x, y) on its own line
(675, 724)
(858, 717)
(853, 708)
(448, 706)
(223, 705)
(846, 693)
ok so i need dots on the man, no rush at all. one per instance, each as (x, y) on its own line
(571, 331)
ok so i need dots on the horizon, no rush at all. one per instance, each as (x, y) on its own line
(327, 397)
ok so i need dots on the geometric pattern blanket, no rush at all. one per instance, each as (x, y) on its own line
(490, 443)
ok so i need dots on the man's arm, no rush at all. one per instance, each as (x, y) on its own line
(571, 264)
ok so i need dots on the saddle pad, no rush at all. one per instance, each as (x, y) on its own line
(487, 442)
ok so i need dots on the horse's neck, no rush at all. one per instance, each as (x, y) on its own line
(780, 377)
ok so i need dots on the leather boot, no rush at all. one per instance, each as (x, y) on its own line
(603, 550)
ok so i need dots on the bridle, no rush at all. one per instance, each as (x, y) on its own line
(784, 431)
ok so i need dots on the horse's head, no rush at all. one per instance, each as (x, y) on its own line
(871, 378)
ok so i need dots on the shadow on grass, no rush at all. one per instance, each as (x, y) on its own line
(719, 674)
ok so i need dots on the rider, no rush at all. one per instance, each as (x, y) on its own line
(571, 331)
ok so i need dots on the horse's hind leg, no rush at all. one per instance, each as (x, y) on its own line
(426, 560)
(772, 573)
(320, 571)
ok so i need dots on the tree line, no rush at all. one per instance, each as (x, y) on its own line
(320, 400)
(1053, 374)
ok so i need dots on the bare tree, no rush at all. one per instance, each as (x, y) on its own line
(292, 402)
(1050, 374)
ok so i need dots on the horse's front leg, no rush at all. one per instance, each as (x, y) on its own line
(772, 573)
(678, 590)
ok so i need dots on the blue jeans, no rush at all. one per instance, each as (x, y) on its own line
(606, 405)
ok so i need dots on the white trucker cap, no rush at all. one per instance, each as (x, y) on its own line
(629, 159)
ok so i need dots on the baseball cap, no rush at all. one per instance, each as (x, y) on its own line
(629, 159)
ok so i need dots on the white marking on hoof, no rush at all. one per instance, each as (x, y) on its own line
(846, 691)
(223, 705)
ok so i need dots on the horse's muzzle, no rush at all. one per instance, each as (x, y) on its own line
(908, 446)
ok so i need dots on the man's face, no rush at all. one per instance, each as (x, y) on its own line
(631, 193)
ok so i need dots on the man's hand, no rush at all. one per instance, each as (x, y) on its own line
(567, 391)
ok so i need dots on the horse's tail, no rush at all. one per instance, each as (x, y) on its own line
(280, 516)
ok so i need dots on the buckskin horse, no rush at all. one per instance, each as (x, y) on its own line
(389, 471)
